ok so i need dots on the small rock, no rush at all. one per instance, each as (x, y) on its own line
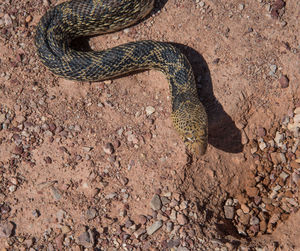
(86, 239)
(244, 218)
(139, 232)
(229, 202)
(6, 229)
(154, 227)
(292, 201)
(156, 203)
(261, 132)
(275, 157)
(173, 215)
(244, 137)
(278, 138)
(12, 188)
(284, 81)
(149, 110)
(87, 148)
(274, 218)
(245, 209)
(164, 200)
(169, 226)
(56, 193)
(110, 196)
(273, 68)
(241, 6)
(36, 213)
(182, 219)
(108, 148)
(229, 212)
(48, 160)
(254, 220)
(28, 19)
(284, 176)
(65, 229)
(7, 20)
(91, 213)
(252, 191)
(262, 145)
(142, 219)
(18, 150)
(20, 119)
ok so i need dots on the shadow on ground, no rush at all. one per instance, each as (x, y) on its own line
(222, 132)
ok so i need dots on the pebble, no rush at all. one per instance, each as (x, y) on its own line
(254, 221)
(229, 202)
(7, 20)
(150, 110)
(36, 213)
(201, 4)
(245, 209)
(262, 145)
(261, 132)
(241, 6)
(284, 176)
(91, 213)
(273, 69)
(6, 229)
(252, 191)
(182, 219)
(87, 148)
(165, 200)
(65, 229)
(108, 148)
(12, 188)
(244, 218)
(56, 193)
(139, 232)
(2, 118)
(142, 219)
(173, 215)
(156, 203)
(229, 212)
(284, 81)
(292, 201)
(169, 226)
(154, 227)
(28, 19)
(110, 196)
(244, 137)
(278, 138)
(86, 239)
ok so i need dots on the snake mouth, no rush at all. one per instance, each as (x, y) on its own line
(195, 145)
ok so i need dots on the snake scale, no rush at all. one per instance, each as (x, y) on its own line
(76, 18)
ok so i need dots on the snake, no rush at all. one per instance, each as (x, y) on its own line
(70, 20)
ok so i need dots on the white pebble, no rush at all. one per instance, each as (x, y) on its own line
(150, 110)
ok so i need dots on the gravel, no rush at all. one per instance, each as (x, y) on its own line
(156, 203)
(154, 227)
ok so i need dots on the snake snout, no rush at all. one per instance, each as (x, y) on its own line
(196, 142)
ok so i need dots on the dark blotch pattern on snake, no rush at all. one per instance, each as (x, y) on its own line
(69, 20)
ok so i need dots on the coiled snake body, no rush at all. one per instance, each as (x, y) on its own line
(66, 21)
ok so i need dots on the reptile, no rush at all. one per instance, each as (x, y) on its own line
(60, 25)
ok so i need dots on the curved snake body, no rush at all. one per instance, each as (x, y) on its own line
(69, 20)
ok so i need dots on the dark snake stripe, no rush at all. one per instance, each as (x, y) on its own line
(69, 20)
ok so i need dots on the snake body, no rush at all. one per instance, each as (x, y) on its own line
(76, 18)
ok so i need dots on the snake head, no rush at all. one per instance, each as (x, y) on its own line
(196, 141)
(190, 121)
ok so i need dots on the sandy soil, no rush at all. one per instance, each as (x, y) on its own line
(82, 164)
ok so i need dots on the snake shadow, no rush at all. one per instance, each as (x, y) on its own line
(222, 132)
